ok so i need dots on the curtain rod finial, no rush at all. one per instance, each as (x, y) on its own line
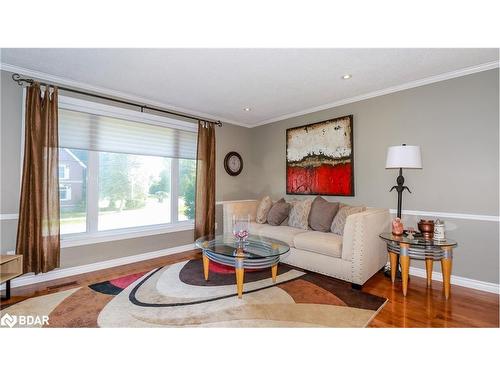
(17, 78)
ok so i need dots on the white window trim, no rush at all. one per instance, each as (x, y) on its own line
(66, 172)
(92, 234)
(80, 239)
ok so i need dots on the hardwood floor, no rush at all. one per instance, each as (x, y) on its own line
(422, 307)
(427, 307)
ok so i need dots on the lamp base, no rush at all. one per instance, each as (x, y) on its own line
(387, 272)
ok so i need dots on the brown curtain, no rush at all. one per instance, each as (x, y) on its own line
(204, 223)
(38, 227)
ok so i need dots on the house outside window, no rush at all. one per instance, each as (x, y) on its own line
(63, 172)
(64, 193)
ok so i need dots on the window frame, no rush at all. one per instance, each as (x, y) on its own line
(67, 189)
(65, 173)
(92, 234)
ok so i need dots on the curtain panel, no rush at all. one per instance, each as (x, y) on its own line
(205, 180)
(38, 237)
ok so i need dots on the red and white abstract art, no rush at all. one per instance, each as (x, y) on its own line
(319, 158)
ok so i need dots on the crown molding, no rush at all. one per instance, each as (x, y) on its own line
(389, 90)
(108, 92)
(373, 94)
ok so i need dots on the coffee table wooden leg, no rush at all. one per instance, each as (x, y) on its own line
(206, 264)
(240, 272)
(446, 264)
(393, 258)
(428, 268)
(274, 272)
(404, 259)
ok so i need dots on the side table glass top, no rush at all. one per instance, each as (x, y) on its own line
(253, 247)
(417, 240)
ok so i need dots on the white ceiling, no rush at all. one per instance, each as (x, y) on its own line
(219, 83)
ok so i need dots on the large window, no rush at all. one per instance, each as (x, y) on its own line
(121, 170)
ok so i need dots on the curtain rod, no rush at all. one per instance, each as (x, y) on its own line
(17, 78)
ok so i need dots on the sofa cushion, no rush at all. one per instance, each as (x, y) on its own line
(278, 212)
(338, 223)
(285, 223)
(255, 228)
(319, 242)
(322, 214)
(281, 233)
(263, 210)
(299, 213)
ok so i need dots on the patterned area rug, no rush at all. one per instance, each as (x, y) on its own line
(178, 296)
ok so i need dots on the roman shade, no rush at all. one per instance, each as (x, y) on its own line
(97, 132)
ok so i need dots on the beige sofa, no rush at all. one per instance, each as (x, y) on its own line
(355, 257)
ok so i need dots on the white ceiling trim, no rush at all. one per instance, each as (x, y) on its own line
(133, 98)
(389, 90)
(108, 92)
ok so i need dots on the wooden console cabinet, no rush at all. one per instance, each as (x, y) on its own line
(11, 266)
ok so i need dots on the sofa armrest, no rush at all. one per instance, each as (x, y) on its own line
(238, 208)
(362, 245)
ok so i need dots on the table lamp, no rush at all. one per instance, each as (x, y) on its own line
(402, 157)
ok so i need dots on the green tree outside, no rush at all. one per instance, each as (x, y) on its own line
(114, 179)
(187, 185)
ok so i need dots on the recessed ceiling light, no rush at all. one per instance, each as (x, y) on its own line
(247, 109)
(346, 76)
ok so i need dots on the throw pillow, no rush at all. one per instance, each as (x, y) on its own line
(285, 222)
(322, 214)
(299, 214)
(278, 212)
(263, 210)
(338, 223)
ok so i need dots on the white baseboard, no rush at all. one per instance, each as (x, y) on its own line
(72, 271)
(459, 280)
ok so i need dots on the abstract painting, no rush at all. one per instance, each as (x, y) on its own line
(319, 158)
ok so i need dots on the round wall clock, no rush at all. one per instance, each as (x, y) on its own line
(233, 163)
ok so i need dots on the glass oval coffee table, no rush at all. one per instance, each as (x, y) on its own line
(255, 252)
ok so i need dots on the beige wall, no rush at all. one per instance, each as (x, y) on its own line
(11, 101)
(234, 138)
(229, 137)
(78, 255)
(456, 124)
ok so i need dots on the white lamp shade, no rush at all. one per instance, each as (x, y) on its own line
(403, 157)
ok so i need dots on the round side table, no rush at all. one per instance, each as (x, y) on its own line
(420, 249)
